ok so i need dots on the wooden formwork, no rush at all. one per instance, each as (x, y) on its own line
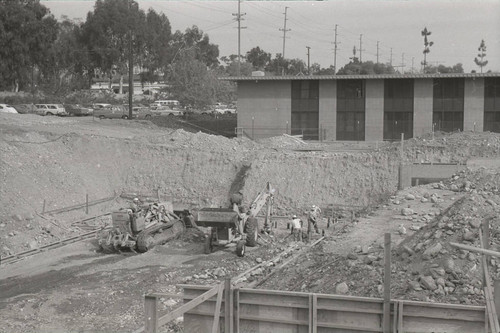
(257, 310)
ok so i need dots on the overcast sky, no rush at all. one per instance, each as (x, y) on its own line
(457, 27)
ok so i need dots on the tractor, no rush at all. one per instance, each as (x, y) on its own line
(141, 231)
(229, 225)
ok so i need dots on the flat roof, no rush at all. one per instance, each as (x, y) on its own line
(359, 77)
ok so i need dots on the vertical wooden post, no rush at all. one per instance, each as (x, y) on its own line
(486, 236)
(496, 294)
(151, 311)
(87, 203)
(253, 123)
(228, 307)
(387, 284)
(314, 313)
(158, 194)
(215, 326)
(237, 311)
(43, 208)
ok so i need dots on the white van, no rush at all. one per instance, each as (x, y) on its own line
(172, 103)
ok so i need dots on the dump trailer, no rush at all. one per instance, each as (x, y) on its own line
(140, 232)
(228, 225)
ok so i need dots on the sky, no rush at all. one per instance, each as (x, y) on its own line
(457, 28)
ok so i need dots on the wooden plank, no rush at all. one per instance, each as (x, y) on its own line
(228, 307)
(349, 327)
(188, 306)
(395, 317)
(387, 283)
(476, 249)
(215, 326)
(488, 294)
(496, 295)
(349, 309)
(151, 314)
(314, 310)
(444, 305)
(237, 311)
(400, 318)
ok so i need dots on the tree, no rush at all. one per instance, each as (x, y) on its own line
(191, 82)
(154, 57)
(27, 32)
(481, 62)
(365, 68)
(427, 45)
(194, 39)
(107, 33)
(457, 68)
(258, 58)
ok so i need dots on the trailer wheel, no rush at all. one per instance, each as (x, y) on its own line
(240, 249)
(208, 244)
(251, 229)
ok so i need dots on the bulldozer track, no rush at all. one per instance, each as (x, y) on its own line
(21, 255)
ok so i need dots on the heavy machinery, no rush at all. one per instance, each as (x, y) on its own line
(141, 231)
(229, 225)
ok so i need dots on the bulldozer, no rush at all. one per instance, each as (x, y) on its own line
(230, 225)
(141, 231)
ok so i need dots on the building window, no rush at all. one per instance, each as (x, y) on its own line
(448, 105)
(492, 104)
(398, 109)
(351, 110)
(305, 108)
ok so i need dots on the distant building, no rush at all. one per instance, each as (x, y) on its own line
(367, 107)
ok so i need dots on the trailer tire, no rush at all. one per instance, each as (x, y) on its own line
(145, 242)
(251, 230)
(240, 249)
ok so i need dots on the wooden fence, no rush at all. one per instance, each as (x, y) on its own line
(258, 310)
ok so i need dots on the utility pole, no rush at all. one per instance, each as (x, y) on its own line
(284, 38)
(377, 51)
(335, 52)
(360, 47)
(239, 19)
(390, 61)
(308, 59)
(130, 64)
(412, 64)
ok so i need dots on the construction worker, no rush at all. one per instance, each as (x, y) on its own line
(188, 219)
(313, 219)
(135, 206)
(296, 228)
(236, 198)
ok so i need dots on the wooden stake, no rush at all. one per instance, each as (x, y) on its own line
(228, 307)
(387, 283)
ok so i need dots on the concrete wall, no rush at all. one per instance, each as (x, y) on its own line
(474, 104)
(328, 110)
(427, 171)
(269, 103)
(374, 110)
(422, 106)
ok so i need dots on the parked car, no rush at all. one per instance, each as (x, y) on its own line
(78, 110)
(165, 111)
(50, 110)
(25, 108)
(5, 108)
(142, 112)
(100, 105)
(220, 108)
(113, 111)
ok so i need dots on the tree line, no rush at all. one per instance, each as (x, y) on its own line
(40, 53)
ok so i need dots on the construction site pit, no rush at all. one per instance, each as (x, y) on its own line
(61, 177)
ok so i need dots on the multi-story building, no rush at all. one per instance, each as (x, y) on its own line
(367, 107)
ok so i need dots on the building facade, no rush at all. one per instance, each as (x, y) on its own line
(367, 107)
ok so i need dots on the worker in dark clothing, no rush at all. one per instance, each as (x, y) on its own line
(236, 198)
(188, 219)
